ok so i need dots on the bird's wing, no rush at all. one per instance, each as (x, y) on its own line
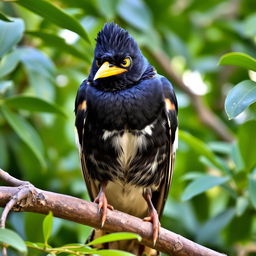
(170, 114)
(80, 123)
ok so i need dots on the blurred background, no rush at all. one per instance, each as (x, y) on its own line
(45, 55)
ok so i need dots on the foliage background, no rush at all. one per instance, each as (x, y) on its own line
(212, 199)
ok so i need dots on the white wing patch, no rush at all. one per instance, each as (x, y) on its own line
(77, 140)
(175, 143)
(107, 134)
(148, 129)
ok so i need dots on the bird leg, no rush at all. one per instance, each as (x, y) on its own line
(153, 215)
(102, 202)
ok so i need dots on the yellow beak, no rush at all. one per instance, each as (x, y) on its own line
(106, 70)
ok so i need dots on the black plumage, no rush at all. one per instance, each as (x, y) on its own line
(126, 119)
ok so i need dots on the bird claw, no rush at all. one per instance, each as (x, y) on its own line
(153, 218)
(103, 205)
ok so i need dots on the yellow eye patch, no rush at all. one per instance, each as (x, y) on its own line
(126, 62)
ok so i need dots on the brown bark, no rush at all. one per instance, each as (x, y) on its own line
(83, 212)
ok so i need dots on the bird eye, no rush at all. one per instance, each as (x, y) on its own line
(97, 63)
(126, 62)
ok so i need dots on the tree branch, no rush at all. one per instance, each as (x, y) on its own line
(83, 212)
(205, 114)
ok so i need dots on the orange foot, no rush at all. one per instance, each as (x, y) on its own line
(153, 215)
(103, 205)
(153, 218)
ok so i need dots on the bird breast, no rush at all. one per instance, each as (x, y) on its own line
(127, 198)
(128, 143)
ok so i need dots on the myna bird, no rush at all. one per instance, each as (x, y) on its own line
(126, 119)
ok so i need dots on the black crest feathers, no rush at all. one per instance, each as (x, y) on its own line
(114, 37)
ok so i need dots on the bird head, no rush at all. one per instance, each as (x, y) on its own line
(118, 62)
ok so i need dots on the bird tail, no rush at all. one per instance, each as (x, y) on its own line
(131, 246)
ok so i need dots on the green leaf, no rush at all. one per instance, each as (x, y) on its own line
(202, 184)
(12, 239)
(4, 154)
(136, 13)
(10, 34)
(33, 104)
(241, 205)
(115, 237)
(206, 162)
(30, 221)
(47, 227)
(211, 228)
(249, 26)
(5, 85)
(40, 70)
(191, 176)
(244, 224)
(36, 61)
(35, 245)
(220, 147)
(240, 97)
(238, 59)
(60, 44)
(252, 188)
(26, 133)
(107, 8)
(175, 45)
(201, 148)
(54, 14)
(4, 17)
(9, 62)
(77, 248)
(237, 157)
(113, 253)
(247, 143)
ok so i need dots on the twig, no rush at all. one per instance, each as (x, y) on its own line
(9, 180)
(24, 190)
(205, 114)
(83, 212)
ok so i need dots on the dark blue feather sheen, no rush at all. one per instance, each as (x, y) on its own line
(130, 109)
